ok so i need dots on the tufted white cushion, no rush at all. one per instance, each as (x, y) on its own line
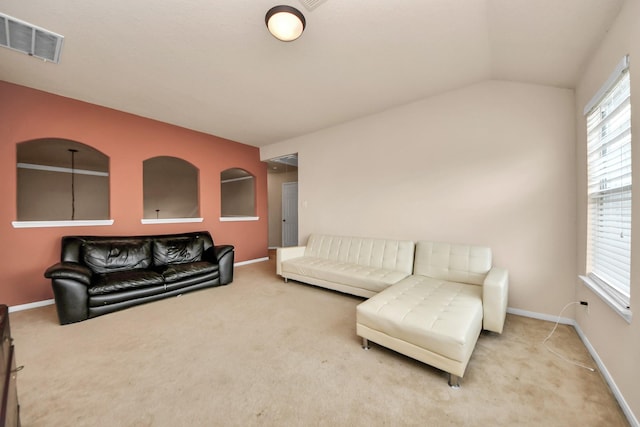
(360, 276)
(443, 317)
(354, 265)
(379, 253)
(453, 262)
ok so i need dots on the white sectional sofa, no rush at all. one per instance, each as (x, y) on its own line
(429, 300)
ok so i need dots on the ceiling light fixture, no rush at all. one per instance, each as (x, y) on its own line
(285, 23)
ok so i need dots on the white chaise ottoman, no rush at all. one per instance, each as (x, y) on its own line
(436, 315)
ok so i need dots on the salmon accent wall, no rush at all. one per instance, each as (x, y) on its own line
(128, 140)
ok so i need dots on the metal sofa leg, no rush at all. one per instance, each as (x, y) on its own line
(365, 344)
(454, 381)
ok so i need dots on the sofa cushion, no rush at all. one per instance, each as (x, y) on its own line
(452, 262)
(116, 255)
(440, 316)
(370, 278)
(377, 253)
(124, 280)
(177, 250)
(175, 272)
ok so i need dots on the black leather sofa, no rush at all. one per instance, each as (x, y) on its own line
(101, 274)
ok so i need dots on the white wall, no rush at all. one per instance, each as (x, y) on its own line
(616, 342)
(490, 164)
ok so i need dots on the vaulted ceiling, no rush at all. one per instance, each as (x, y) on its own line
(212, 66)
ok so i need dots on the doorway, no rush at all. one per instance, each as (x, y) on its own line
(283, 200)
(290, 214)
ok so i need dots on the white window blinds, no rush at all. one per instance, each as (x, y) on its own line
(609, 186)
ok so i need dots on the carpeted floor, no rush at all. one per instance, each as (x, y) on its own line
(261, 352)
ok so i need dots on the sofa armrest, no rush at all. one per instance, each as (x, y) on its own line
(495, 293)
(225, 255)
(290, 252)
(221, 251)
(70, 282)
(216, 253)
(71, 271)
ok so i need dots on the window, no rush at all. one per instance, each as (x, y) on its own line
(609, 188)
(60, 180)
(237, 195)
(170, 190)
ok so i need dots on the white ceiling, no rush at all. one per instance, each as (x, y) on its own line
(211, 65)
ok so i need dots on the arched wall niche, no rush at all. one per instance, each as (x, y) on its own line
(170, 187)
(237, 193)
(61, 180)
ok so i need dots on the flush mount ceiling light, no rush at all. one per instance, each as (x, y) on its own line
(285, 23)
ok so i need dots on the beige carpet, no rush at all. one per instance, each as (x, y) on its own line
(261, 352)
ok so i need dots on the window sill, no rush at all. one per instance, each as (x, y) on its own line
(620, 309)
(170, 220)
(238, 218)
(74, 223)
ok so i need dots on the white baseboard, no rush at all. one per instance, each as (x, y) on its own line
(633, 421)
(251, 261)
(30, 305)
(541, 316)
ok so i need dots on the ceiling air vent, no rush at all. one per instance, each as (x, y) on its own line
(311, 4)
(26, 38)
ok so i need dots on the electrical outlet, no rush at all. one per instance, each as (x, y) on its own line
(586, 305)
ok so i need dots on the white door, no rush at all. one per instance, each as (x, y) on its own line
(290, 214)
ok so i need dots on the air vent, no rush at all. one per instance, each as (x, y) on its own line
(26, 38)
(311, 4)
